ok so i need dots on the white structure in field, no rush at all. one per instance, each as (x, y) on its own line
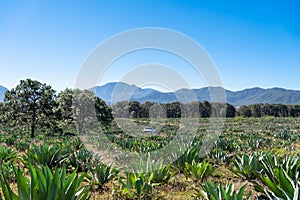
(149, 129)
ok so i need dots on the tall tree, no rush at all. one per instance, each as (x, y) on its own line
(294, 110)
(135, 109)
(31, 102)
(103, 112)
(244, 111)
(81, 109)
(256, 110)
(121, 109)
(207, 109)
(63, 111)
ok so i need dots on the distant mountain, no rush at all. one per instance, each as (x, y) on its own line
(114, 92)
(2, 92)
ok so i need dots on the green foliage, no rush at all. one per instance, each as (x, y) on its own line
(102, 173)
(163, 174)
(51, 156)
(7, 154)
(247, 166)
(31, 102)
(271, 162)
(227, 144)
(81, 109)
(10, 141)
(280, 177)
(6, 169)
(188, 156)
(212, 191)
(275, 110)
(45, 184)
(7, 159)
(76, 144)
(280, 186)
(22, 145)
(82, 160)
(274, 174)
(136, 185)
(198, 171)
(217, 155)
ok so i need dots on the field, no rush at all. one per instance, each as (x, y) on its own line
(255, 158)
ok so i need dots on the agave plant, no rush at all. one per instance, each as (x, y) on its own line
(82, 160)
(22, 145)
(161, 173)
(291, 164)
(43, 184)
(198, 171)
(77, 144)
(6, 170)
(247, 166)
(7, 154)
(280, 177)
(283, 188)
(102, 173)
(190, 155)
(11, 140)
(46, 155)
(227, 144)
(212, 191)
(145, 146)
(219, 156)
(137, 185)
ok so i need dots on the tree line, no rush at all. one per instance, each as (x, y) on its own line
(205, 109)
(275, 110)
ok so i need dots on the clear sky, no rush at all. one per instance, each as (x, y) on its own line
(253, 43)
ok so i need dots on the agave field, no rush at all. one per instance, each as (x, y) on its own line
(252, 158)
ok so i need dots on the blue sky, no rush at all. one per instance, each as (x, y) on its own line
(253, 43)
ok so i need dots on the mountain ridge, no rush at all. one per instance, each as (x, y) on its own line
(247, 96)
(120, 91)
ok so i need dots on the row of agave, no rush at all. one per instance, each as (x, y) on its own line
(279, 174)
(45, 184)
(272, 175)
(47, 169)
(44, 173)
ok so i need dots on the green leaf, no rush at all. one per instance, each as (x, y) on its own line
(71, 191)
(23, 187)
(139, 186)
(54, 186)
(272, 186)
(33, 182)
(8, 193)
(286, 183)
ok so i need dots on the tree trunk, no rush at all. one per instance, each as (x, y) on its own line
(33, 125)
(32, 130)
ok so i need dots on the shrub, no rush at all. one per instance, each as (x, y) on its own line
(43, 184)
(212, 191)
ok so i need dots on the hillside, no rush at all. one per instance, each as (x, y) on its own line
(123, 91)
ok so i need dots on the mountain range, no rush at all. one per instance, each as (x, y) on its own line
(119, 91)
